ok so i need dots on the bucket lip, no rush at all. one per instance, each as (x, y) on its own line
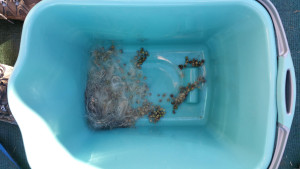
(21, 62)
(282, 43)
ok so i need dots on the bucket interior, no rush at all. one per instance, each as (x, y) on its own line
(233, 124)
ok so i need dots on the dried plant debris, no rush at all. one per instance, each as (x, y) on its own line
(193, 63)
(156, 114)
(184, 91)
(116, 92)
(141, 57)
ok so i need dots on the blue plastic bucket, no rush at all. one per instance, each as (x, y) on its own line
(232, 123)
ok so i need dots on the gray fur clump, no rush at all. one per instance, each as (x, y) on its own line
(115, 94)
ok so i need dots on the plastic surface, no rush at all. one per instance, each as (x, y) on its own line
(285, 115)
(282, 137)
(286, 86)
(190, 76)
(232, 126)
(282, 44)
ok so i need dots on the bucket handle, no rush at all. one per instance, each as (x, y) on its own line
(286, 81)
(286, 90)
(286, 99)
(286, 86)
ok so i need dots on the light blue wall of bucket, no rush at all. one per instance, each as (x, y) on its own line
(238, 124)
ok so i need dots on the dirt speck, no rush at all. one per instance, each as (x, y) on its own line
(296, 11)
